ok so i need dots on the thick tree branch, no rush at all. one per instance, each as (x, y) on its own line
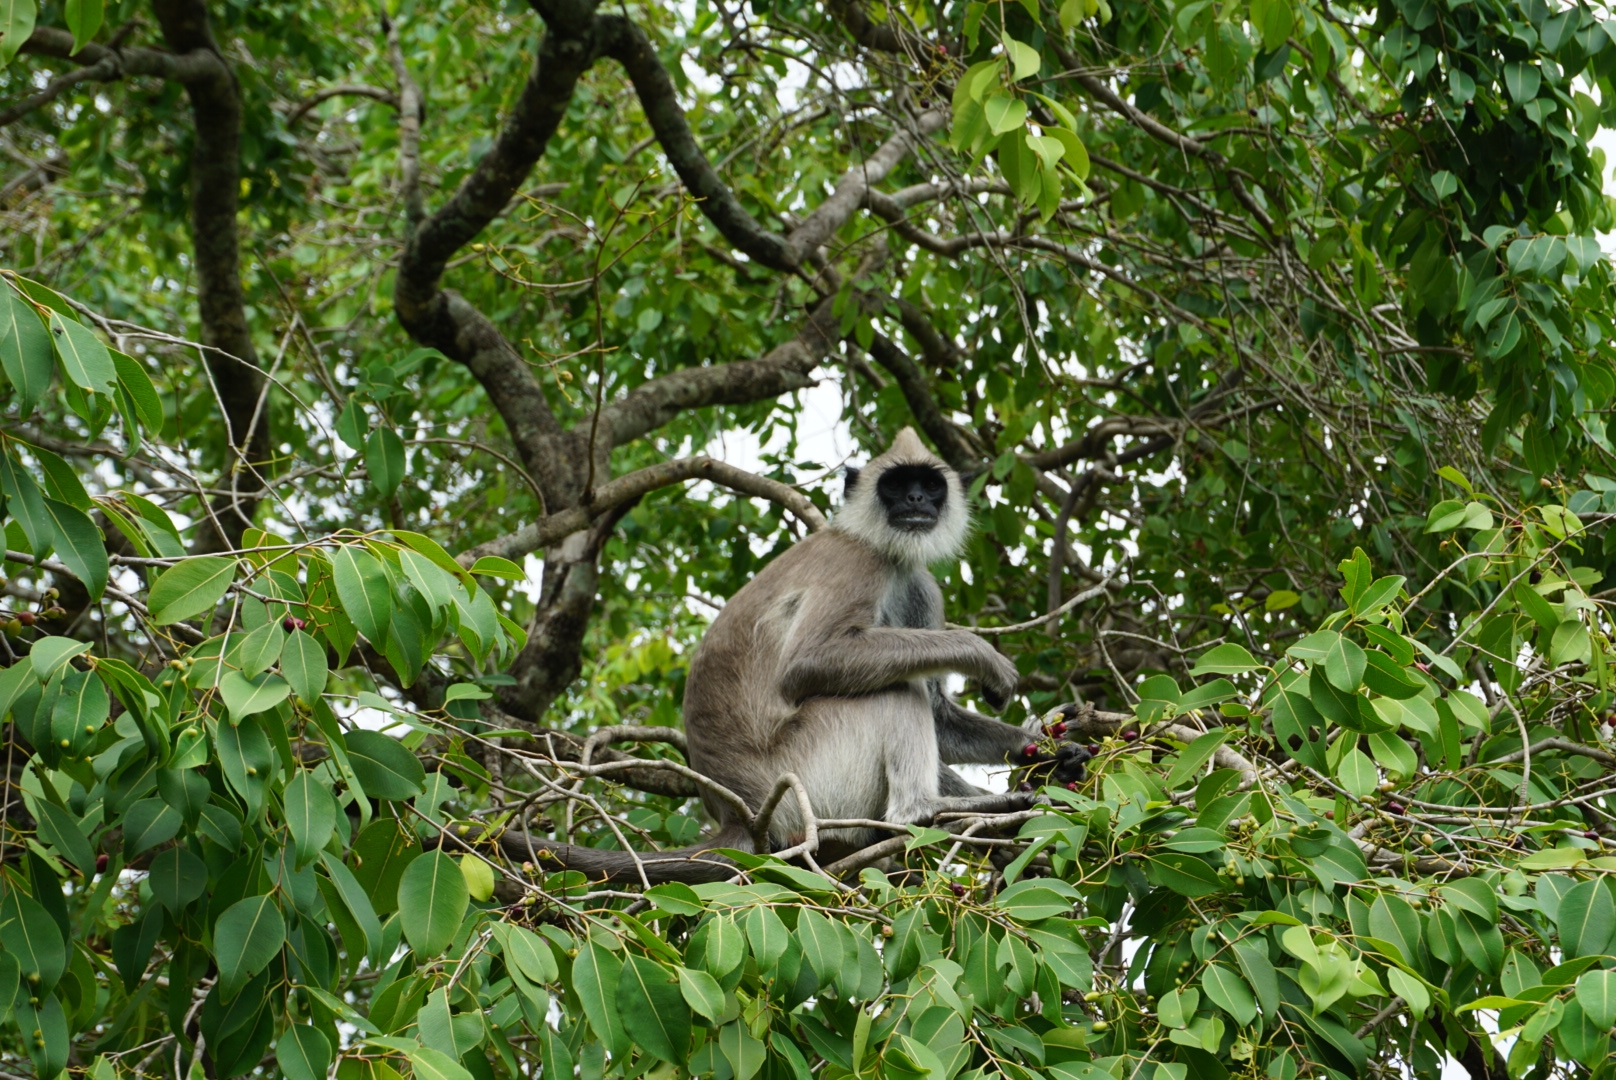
(783, 369)
(231, 359)
(631, 48)
(195, 63)
(635, 485)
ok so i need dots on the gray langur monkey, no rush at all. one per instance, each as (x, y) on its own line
(830, 664)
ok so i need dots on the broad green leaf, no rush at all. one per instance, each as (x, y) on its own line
(133, 379)
(1004, 113)
(1024, 59)
(80, 545)
(387, 770)
(529, 953)
(177, 877)
(432, 899)
(353, 897)
(311, 814)
(1410, 989)
(190, 588)
(384, 461)
(1193, 757)
(59, 829)
(1226, 659)
(303, 1053)
(49, 655)
(25, 502)
(653, 1009)
(304, 664)
(494, 566)
(1357, 773)
(84, 19)
(1596, 993)
(25, 344)
(1229, 992)
(148, 823)
(362, 587)
(33, 937)
(430, 1064)
(245, 697)
(702, 992)
(1586, 919)
(744, 1054)
(595, 973)
(245, 939)
(85, 361)
(479, 876)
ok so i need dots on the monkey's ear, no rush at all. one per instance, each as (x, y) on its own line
(851, 474)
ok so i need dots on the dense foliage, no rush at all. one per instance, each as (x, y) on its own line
(357, 365)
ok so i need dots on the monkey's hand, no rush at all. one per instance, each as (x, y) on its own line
(1066, 765)
(999, 680)
(1066, 762)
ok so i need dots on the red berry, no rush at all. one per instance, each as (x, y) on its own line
(1590, 835)
(1071, 785)
(1058, 728)
(1030, 750)
(101, 863)
(959, 890)
(1423, 666)
(27, 618)
(1394, 807)
(289, 624)
(1130, 735)
(1024, 786)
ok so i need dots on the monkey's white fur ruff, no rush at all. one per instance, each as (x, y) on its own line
(864, 518)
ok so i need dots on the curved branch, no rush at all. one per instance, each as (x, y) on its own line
(320, 97)
(195, 63)
(555, 527)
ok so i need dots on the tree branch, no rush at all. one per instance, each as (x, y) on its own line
(320, 97)
(195, 63)
(231, 359)
(635, 485)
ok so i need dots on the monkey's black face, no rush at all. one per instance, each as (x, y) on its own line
(914, 496)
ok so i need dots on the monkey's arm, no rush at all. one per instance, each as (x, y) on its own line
(968, 738)
(866, 659)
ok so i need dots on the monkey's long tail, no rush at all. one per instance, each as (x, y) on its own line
(691, 865)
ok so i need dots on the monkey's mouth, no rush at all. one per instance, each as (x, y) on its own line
(914, 521)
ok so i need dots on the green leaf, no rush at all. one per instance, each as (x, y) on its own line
(311, 815)
(80, 545)
(744, 1053)
(362, 587)
(1184, 874)
(1522, 81)
(1394, 754)
(1076, 155)
(303, 1053)
(25, 344)
(1273, 20)
(1193, 757)
(25, 503)
(1024, 59)
(1596, 993)
(1229, 992)
(245, 939)
(177, 877)
(355, 899)
(133, 378)
(246, 759)
(766, 934)
(190, 588)
(494, 566)
(432, 899)
(1410, 989)
(653, 1009)
(529, 953)
(387, 770)
(1033, 900)
(83, 17)
(32, 936)
(1226, 659)
(430, 1064)
(304, 664)
(594, 976)
(246, 697)
(479, 876)
(85, 361)
(1357, 773)
(384, 461)
(60, 830)
(1381, 591)
(147, 823)
(1344, 664)
(49, 655)
(1004, 113)
(702, 992)
(1586, 919)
